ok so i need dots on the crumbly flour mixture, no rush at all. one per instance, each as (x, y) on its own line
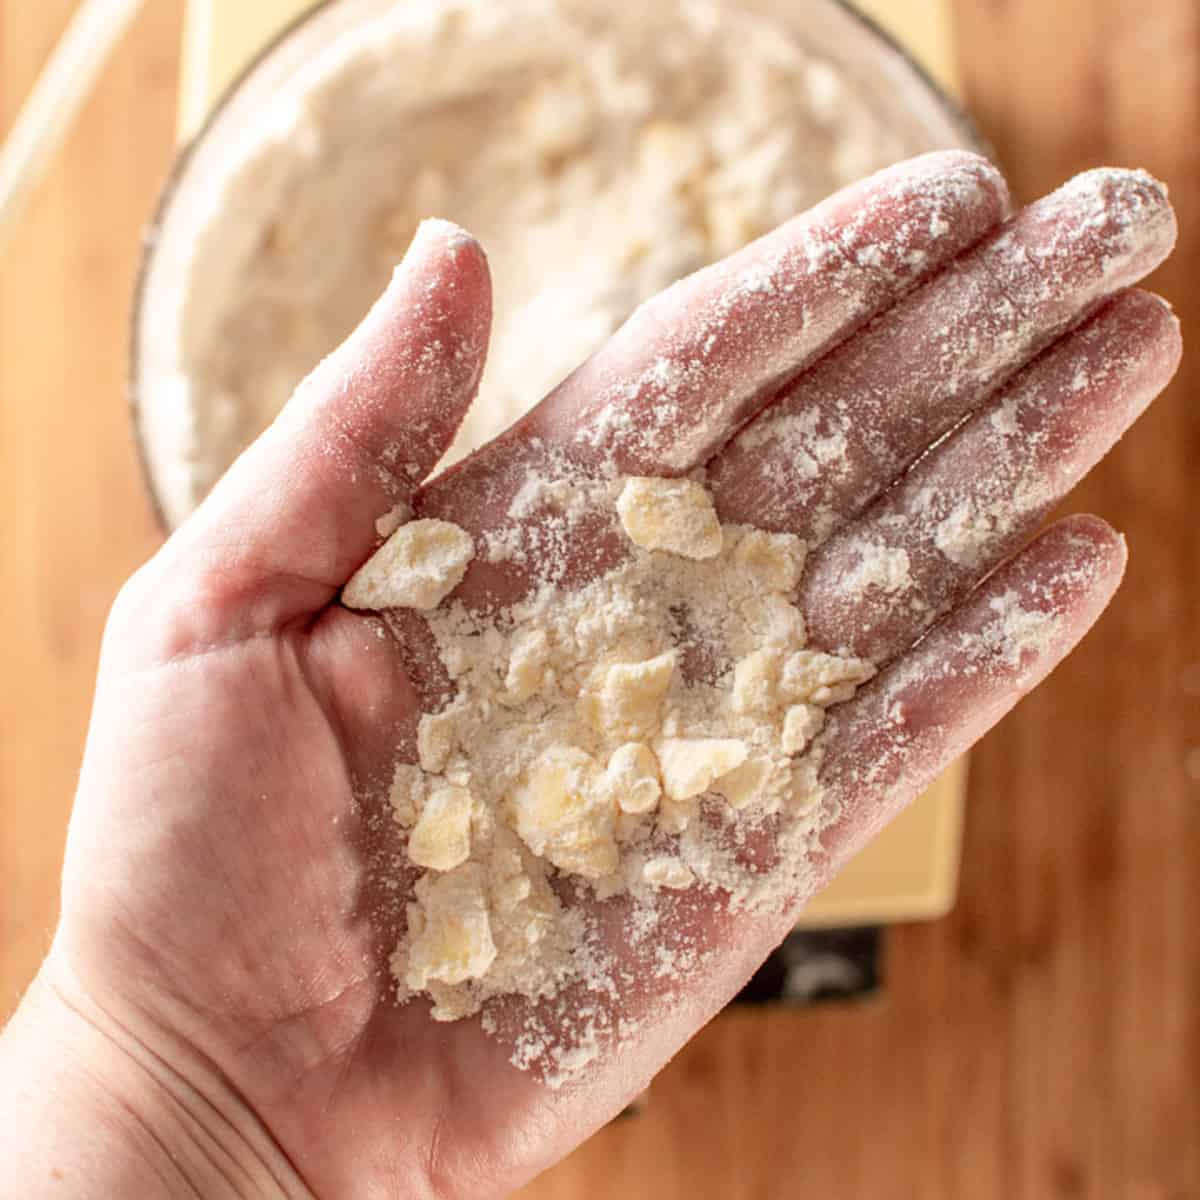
(620, 148)
(630, 736)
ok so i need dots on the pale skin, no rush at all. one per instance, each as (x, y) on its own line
(215, 1017)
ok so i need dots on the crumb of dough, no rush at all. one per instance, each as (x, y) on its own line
(387, 523)
(563, 814)
(441, 836)
(451, 934)
(690, 766)
(667, 873)
(777, 559)
(801, 723)
(417, 567)
(632, 778)
(670, 514)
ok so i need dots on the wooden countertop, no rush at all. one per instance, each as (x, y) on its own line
(1042, 1041)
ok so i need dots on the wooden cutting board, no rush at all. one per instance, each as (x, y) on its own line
(910, 872)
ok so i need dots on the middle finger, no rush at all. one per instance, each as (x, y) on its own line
(855, 421)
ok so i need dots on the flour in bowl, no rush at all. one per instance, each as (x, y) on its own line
(599, 152)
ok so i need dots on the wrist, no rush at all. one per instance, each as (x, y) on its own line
(91, 1107)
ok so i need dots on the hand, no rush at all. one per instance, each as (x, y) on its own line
(221, 928)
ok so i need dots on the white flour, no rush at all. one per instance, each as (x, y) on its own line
(597, 161)
(650, 732)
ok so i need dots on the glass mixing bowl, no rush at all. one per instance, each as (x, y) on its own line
(921, 116)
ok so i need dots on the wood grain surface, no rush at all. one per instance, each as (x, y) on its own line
(1043, 1041)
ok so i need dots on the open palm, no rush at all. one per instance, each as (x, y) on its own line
(222, 900)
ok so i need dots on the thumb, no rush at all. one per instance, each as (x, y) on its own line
(296, 514)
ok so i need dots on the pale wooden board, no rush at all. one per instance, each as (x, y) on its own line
(911, 870)
(223, 36)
